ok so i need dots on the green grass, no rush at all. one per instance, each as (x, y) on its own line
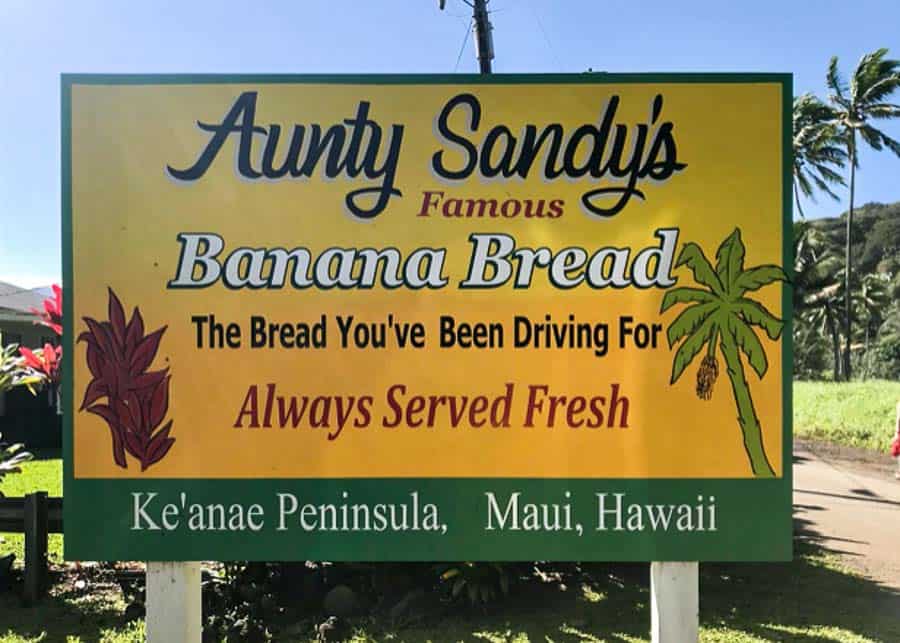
(69, 615)
(42, 474)
(859, 414)
(814, 599)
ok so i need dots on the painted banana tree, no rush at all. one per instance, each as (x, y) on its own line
(721, 317)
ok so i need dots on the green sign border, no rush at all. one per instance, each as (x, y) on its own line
(749, 530)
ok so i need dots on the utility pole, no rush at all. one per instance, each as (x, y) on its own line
(484, 39)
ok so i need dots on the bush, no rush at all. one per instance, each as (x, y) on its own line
(238, 603)
(885, 359)
(812, 356)
(479, 582)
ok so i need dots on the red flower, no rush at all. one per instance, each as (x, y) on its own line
(45, 361)
(137, 400)
(51, 317)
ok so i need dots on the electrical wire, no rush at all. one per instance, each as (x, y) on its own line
(462, 49)
(540, 24)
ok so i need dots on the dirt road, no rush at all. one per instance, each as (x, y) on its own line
(851, 508)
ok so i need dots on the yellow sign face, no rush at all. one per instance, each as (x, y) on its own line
(428, 280)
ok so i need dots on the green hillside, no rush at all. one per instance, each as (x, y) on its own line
(876, 236)
(875, 292)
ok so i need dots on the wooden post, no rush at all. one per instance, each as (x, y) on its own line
(35, 546)
(173, 603)
(674, 602)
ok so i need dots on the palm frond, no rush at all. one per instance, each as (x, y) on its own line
(756, 315)
(892, 144)
(833, 78)
(810, 110)
(748, 342)
(691, 347)
(830, 175)
(824, 187)
(730, 259)
(756, 278)
(882, 88)
(880, 111)
(797, 201)
(872, 69)
(861, 78)
(688, 321)
(818, 150)
(684, 295)
(692, 257)
(871, 136)
(803, 182)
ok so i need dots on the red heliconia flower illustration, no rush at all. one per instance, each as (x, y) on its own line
(45, 361)
(51, 317)
(137, 400)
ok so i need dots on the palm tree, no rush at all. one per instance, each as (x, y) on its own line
(722, 317)
(817, 150)
(822, 314)
(816, 262)
(821, 309)
(856, 105)
(872, 301)
(815, 285)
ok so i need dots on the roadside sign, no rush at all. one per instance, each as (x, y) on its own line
(427, 317)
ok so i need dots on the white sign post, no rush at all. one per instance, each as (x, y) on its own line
(173, 603)
(674, 602)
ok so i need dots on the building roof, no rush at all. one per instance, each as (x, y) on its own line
(16, 302)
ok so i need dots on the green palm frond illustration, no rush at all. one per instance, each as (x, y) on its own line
(721, 317)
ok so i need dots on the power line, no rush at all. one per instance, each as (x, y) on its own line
(540, 24)
(463, 46)
(484, 41)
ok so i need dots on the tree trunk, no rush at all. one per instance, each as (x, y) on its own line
(865, 360)
(835, 342)
(747, 418)
(848, 257)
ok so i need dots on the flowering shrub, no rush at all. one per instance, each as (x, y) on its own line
(13, 370)
(51, 316)
(44, 361)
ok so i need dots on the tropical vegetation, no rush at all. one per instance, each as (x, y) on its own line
(826, 138)
(818, 155)
(20, 366)
(853, 310)
(819, 286)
